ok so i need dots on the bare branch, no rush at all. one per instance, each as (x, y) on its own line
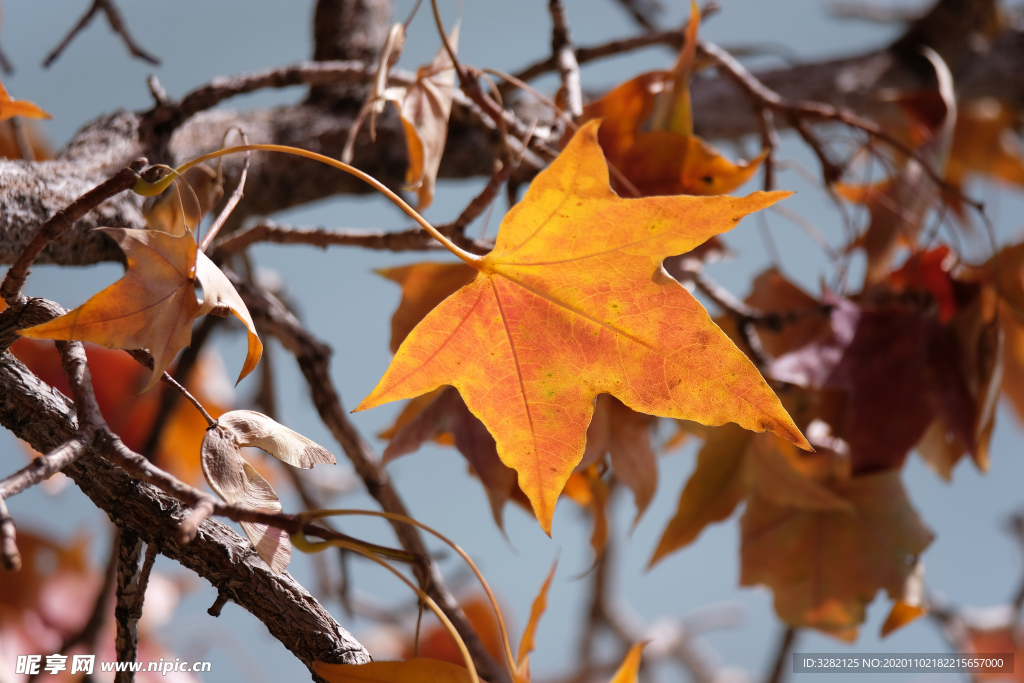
(413, 239)
(128, 610)
(644, 12)
(43, 418)
(565, 59)
(799, 113)
(10, 558)
(191, 399)
(5, 64)
(304, 73)
(673, 38)
(232, 202)
(116, 24)
(782, 651)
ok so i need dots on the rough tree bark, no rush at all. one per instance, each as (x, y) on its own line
(45, 418)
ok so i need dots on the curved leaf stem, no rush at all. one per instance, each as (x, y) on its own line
(471, 259)
(307, 517)
(300, 541)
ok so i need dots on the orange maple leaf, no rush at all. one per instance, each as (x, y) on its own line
(441, 415)
(10, 108)
(154, 304)
(667, 159)
(573, 303)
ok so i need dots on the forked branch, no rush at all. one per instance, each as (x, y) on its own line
(116, 24)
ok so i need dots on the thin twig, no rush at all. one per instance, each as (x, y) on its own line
(644, 12)
(116, 24)
(5, 64)
(456, 229)
(413, 239)
(526, 87)
(156, 89)
(674, 38)
(747, 317)
(10, 290)
(192, 399)
(504, 119)
(770, 142)
(800, 112)
(232, 202)
(43, 467)
(565, 58)
(169, 399)
(303, 73)
(218, 605)
(784, 648)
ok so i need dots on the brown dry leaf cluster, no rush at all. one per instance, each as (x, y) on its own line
(423, 108)
(916, 361)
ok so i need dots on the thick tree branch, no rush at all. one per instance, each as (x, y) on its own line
(129, 596)
(31, 193)
(42, 417)
(10, 290)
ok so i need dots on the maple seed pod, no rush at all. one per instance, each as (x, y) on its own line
(256, 429)
(237, 482)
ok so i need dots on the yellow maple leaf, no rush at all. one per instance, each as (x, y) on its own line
(573, 303)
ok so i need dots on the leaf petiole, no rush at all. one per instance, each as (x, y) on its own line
(312, 515)
(149, 189)
(300, 541)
